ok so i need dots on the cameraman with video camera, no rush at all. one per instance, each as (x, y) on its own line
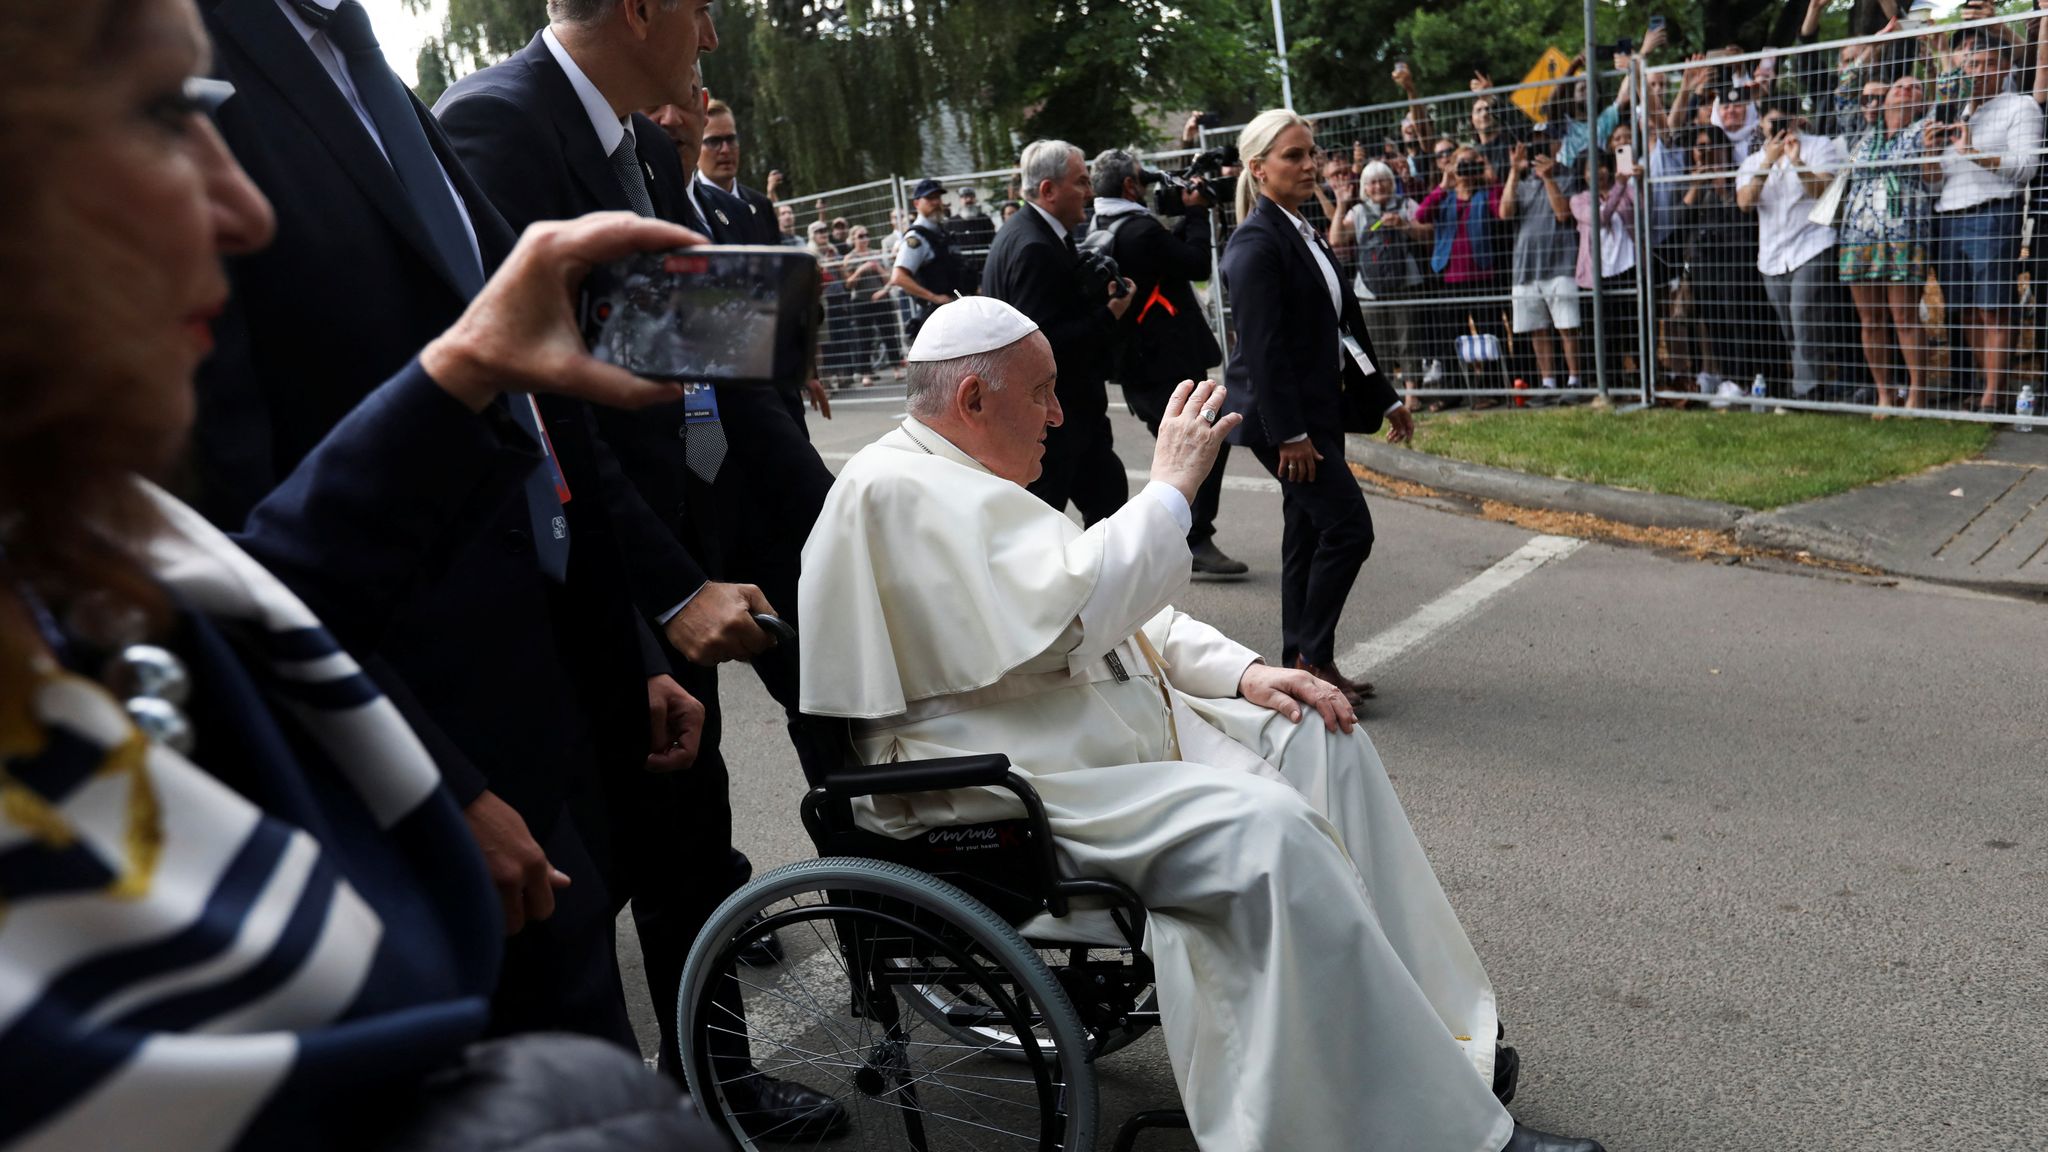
(1036, 267)
(1163, 338)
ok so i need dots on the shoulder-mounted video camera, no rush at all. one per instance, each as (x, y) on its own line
(1204, 175)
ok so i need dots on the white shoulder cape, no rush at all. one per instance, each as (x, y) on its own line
(927, 575)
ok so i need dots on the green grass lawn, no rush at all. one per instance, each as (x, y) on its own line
(1756, 461)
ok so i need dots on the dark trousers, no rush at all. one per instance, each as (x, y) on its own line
(1326, 534)
(1081, 465)
(1148, 403)
(562, 974)
(676, 861)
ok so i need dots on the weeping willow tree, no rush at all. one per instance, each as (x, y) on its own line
(837, 92)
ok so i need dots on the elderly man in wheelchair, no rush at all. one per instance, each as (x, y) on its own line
(1053, 812)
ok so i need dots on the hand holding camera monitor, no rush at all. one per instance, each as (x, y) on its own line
(721, 314)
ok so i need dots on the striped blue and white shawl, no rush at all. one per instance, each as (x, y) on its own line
(185, 965)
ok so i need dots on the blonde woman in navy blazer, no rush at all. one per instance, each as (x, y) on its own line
(1288, 378)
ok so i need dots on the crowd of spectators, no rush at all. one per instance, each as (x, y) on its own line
(1789, 195)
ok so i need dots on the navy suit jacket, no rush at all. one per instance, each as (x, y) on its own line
(524, 134)
(760, 215)
(1285, 376)
(1030, 269)
(516, 684)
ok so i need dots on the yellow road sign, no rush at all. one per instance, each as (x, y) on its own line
(1553, 65)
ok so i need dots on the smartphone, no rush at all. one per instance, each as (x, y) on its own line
(1657, 23)
(737, 314)
(1209, 120)
(1624, 161)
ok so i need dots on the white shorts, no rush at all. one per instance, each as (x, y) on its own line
(1552, 303)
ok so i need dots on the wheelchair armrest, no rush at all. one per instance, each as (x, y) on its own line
(991, 770)
(986, 771)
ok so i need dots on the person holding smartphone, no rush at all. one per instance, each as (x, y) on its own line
(1384, 232)
(1781, 182)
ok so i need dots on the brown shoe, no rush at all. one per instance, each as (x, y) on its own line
(1357, 692)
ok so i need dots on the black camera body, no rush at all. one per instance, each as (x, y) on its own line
(1204, 175)
(1099, 276)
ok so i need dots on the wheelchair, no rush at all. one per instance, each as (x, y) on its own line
(936, 985)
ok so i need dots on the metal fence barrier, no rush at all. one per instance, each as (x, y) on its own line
(1900, 273)
(1888, 277)
(1446, 331)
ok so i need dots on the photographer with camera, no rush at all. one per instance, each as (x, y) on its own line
(1163, 338)
(1036, 267)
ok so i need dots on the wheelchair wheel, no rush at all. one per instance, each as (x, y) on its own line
(960, 1012)
(857, 934)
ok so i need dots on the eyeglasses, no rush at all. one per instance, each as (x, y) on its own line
(727, 140)
(1443, 152)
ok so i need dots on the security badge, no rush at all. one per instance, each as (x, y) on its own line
(700, 404)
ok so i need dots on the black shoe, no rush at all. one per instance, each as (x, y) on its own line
(1530, 1140)
(1211, 562)
(783, 1110)
(763, 951)
(1507, 1071)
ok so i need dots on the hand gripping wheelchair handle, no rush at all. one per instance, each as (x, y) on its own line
(785, 636)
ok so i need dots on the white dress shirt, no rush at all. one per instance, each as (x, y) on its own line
(1058, 229)
(1335, 286)
(697, 198)
(609, 125)
(2007, 126)
(1787, 237)
(337, 70)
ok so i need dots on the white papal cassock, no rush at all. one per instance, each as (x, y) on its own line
(1317, 991)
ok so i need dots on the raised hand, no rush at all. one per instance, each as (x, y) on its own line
(520, 333)
(1191, 434)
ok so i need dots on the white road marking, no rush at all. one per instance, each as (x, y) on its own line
(1447, 610)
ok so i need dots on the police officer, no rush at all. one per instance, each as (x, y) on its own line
(927, 269)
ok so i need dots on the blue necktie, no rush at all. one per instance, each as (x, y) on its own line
(426, 188)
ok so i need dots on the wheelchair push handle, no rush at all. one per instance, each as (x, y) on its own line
(774, 626)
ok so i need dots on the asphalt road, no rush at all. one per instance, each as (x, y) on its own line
(1756, 858)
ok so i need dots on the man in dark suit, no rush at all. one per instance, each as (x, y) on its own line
(552, 133)
(1035, 267)
(1164, 338)
(733, 220)
(528, 677)
(719, 164)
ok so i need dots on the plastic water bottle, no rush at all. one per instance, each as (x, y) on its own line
(1521, 385)
(1759, 391)
(2026, 408)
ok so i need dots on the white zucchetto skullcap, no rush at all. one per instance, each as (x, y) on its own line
(969, 326)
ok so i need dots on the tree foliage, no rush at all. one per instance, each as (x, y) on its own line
(838, 92)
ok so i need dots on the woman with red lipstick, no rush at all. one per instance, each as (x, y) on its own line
(237, 906)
